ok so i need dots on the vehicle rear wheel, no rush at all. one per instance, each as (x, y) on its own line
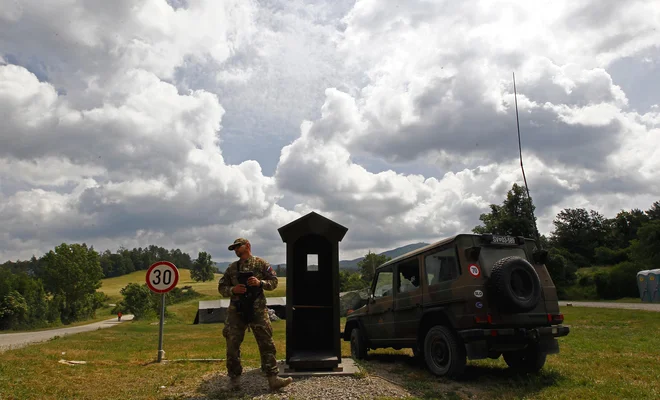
(444, 353)
(358, 346)
(531, 359)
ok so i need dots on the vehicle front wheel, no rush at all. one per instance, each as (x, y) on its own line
(358, 346)
(444, 353)
(531, 359)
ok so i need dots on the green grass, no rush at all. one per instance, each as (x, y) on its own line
(610, 354)
(121, 360)
(590, 271)
(112, 286)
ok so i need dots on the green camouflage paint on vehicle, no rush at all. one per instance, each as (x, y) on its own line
(465, 297)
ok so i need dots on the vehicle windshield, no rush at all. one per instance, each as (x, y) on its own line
(490, 255)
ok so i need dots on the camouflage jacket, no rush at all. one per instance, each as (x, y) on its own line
(262, 271)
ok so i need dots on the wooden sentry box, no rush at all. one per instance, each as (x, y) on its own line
(312, 292)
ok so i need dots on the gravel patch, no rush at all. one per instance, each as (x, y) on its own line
(255, 386)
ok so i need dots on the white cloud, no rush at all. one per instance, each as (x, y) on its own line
(114, 118)
(81, 45)
(47, 171)
(435, 89)
(440, 89)
(144, 127)
(146, 160)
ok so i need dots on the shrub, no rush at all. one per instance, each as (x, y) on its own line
(178, 295)
(581, 292)
(349, 281)
(140, 301)
(13, 309)
(562, 271)
(618, 282)
(607, 256)
(586, 281)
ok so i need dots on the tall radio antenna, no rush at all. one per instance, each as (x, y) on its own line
(529, 199)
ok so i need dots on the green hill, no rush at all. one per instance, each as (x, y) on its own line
(222, 265)
(112, 286)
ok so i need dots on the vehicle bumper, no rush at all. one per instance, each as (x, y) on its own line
(483, 343)
(533, 334)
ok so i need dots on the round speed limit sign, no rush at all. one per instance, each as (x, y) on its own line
(162, 276)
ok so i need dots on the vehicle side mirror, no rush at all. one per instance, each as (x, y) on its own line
(540, 256)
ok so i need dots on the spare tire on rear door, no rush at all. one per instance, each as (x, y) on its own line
(515, 285)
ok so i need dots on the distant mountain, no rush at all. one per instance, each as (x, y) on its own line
(222, 265)
(348, 264)
(394, 253)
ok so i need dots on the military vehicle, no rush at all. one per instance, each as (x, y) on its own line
(469, 296)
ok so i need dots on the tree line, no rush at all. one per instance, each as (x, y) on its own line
(61, 286)
(620, 246)
(123, 261)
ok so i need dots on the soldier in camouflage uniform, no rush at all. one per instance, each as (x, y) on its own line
(234, 330)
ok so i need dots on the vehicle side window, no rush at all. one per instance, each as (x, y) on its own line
(384, 284)
(442, 266)
(409, 277)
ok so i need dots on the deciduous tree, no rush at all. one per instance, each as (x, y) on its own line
(580, 231)
(202, 268)
(369, 263)
(73, 273)
(514, 217)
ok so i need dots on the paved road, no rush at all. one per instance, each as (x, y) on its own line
(10, 341)
(625, 306)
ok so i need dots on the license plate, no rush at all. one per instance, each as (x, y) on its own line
(504, 240)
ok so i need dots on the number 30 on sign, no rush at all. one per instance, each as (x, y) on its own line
(162, 276)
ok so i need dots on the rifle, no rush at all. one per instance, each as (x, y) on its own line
(245, 304)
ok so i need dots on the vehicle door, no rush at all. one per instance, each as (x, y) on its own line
(442, 268)
(408, 300)
(379, 323)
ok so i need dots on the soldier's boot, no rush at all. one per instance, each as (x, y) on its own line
(275, 382)
(235, 383)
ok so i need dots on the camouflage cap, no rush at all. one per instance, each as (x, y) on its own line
(237, 243)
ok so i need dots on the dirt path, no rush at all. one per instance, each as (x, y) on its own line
(10, 341)
(626, 306)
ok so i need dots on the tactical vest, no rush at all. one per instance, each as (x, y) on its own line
(254, 298)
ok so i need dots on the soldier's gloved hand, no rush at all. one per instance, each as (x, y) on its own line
(253, 281)
(239, 289)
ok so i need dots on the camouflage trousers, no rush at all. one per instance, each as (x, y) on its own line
(234, 332)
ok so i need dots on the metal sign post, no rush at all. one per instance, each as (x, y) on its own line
(160, 332)
(162, 276)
